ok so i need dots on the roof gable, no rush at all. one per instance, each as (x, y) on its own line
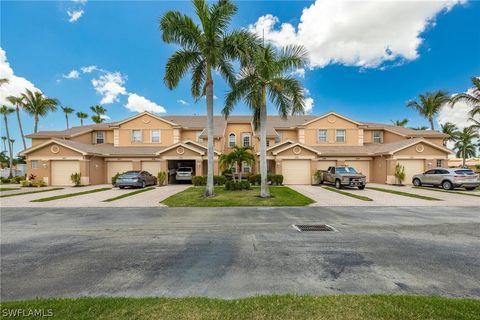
(145, 114)
(332, 114)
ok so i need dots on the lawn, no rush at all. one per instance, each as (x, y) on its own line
(405, 194)
(281, 196)
(349, 194)
(450, 191)
(9, 189)
(29, 192)
(365, 307)
(69, 195)
(129, 194)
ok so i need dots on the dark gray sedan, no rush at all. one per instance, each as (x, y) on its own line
(448, 178)
(135, 179)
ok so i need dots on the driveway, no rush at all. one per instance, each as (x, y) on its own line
(323, 197)
(235, 252)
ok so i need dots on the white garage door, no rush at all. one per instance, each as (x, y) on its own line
(412, 167)
(62, 170)
(362, 166)
(296, 171)
(151, 166)
(324, 164)
(117, 167)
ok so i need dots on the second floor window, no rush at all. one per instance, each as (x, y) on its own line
(322, 135)
(99, 137)
(136, 136)
(232, 140)
(155, 136)
(246, 140)
(340, 135)
(377, 137)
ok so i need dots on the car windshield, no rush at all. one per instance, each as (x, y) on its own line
(184, 169)
(131, 173)
(346, 170)
(465, 172)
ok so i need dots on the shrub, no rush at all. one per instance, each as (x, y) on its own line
(277, 179)
(76, 178)
(33, 183)
(114, 179)
(31, 176)
(161, 178)
(25, 183)
(255, 178)
(5, 180)
(318, 176)
(17, 179)
(219, 180)
(399, 173)
(238, 185)
(199, 181)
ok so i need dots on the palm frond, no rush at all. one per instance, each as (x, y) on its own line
(180, 29)
(178, 65)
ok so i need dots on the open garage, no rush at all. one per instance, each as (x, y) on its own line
(173, 165)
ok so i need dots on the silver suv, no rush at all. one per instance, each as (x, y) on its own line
(448, 178)
(184, 174)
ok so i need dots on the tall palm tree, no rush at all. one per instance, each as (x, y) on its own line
(237, 157)
(471, 97)
(5, 111)
(430, 104)
(97, 118)
(400, 123)
(267, 77)
(450, 129)
(204, 48)
(4, 140)
(18, 102)
(419, 128)
(37, 105)
(465, 145)
(98, 111)
(81, 116)
(67, 111)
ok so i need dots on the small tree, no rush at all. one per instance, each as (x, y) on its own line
(399, 173)
(76, 178)
(161, 177)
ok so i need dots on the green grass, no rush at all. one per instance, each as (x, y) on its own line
(365, 307)
(129, 194)
(29, 192)
(9, 189)
(281, 196)
(349, 194)
(449, 191)
(68, 195)
(405, 194)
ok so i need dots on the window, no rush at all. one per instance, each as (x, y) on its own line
(246, 168)
(430, 172)
(340, 135)
(232, 140)
(377, 137)
(99, 137)
(136, 136)
(246, 140)
(439, 163)
(268, 143)
(155, 136)
(34, 164)
(322, 135)
(278, 138)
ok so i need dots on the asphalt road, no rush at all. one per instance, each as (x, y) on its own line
(238, 252)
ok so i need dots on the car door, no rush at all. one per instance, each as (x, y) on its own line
(439, 176)
(429, 177)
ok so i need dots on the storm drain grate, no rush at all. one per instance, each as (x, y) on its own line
(313, 227)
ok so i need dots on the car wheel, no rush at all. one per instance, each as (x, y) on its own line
(338, 184)
(361, 187)
(121, 187)
(469, 188)
(143, 184)
(417, 182)
(447, 185)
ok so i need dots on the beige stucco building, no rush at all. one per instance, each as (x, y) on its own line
(297, 147)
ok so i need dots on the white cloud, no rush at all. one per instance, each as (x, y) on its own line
(74, 74)
(16, 85)
(308, 104)
(185, 103)
(140, 104)
(104, 116)
(299, 73)
(110, 85)
(356, 33)
(459, 114)
(89, 69)
(80, 1)
(74, 15)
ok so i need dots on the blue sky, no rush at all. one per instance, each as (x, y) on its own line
(366, 63)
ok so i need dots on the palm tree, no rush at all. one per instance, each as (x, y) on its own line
(400, 123)
(18, 102)
(204, 48)
(81, 116)
(5, 111)
(4, 140)
(471, 97)
(67, 111)
(98, 111)
(97, 119)
(238, 156)
(465, 145)
(267, 76)
(450, 129)
(430, 104)
(37, 105)
(419, 128)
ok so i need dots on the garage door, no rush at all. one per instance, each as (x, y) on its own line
(324, 164)
(361, 166)
(412, 167)
(117, 167)
(62, 170)
(151, 166)
(296, 171)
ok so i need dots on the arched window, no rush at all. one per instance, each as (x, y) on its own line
(232, 140)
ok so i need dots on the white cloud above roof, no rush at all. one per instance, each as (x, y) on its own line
(74, 74)
(140, 104)
(74, 15)
(110, 85)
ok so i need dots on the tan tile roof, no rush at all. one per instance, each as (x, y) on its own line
(404, 131)
(109, 149)
(72, 131)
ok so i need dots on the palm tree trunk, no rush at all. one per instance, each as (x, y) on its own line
(9, 146)
(21, 128)
(264, 192)
(464, 156)
(35, 127)
(432, 126)
(240, 171)
(66, 119)
(81, 121)
(210, 152)
(4, 146)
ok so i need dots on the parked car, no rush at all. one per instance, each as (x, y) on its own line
(135, 179)
(448, 178)
(184, 174)
(344, 177)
